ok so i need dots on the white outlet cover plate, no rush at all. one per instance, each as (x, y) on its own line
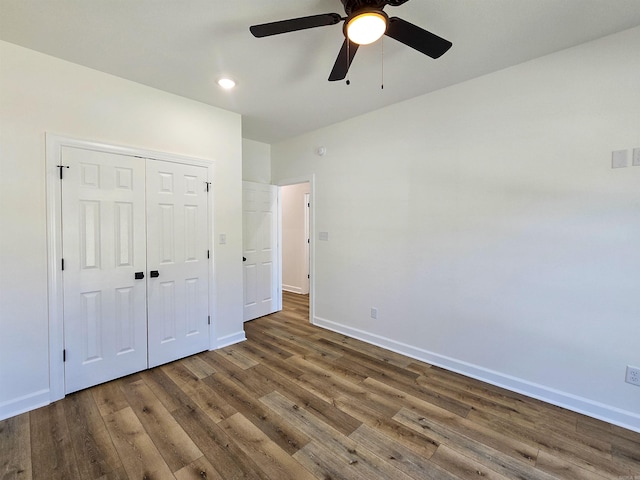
(636, 157)
(619, 159)
(633, 375)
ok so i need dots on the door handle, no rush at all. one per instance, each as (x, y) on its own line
(154, 273)
(139, 275)
(244, 259)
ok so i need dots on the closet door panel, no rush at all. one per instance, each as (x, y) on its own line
(104, 245)
(177, 234)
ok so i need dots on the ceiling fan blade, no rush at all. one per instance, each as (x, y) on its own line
(417, 38)
(294, 24)
(343, 62)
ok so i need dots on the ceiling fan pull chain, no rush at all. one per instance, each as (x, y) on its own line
(348, 57)
(382, 62)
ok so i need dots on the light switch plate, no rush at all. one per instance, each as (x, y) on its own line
(636, 157)
(223, 239)
(324, 236)
(619, 159)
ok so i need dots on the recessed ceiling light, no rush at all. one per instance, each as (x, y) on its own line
(226, 83)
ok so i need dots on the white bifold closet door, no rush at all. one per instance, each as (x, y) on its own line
(104, 245)
(178, 283)
(135, 264)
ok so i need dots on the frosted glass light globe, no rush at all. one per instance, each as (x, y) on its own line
(366, 28)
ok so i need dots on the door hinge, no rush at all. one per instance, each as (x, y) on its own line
(207, 253)
(62, 263)
(308, 276)
(209, 320)
(308, 241)
(64, 355)
(61, 167)
(207, 185)
(308, 205)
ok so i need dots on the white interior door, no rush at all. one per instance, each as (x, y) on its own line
(260, 250)
(178, 280)
(103, 225)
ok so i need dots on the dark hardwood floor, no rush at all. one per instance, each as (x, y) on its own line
(298, 402)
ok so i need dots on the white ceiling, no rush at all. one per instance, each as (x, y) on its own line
(184, 46)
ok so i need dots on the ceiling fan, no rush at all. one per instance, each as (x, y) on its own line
(365, 23)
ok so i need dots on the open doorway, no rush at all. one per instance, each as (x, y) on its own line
(296, 242)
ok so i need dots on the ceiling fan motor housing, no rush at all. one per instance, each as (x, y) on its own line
(357, 6)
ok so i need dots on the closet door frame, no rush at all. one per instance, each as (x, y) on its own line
(54, 144)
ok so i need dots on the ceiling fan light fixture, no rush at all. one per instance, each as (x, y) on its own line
(366, 27)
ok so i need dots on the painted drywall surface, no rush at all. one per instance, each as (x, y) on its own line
(485, 223)
(256, 161)
(294, 264)
(41, 94)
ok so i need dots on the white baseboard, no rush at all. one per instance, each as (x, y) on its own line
(24, 404)
(607, 413)
(292, 289)
(230, 340)
(42, 398)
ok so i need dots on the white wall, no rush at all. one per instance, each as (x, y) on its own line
(256, 161)
(485, 223)
(41, 94)
(294, 238)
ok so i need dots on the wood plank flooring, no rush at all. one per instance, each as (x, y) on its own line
(298, 402)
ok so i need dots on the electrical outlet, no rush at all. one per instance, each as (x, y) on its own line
(633, 375)
(636, 157)
(374, 313)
